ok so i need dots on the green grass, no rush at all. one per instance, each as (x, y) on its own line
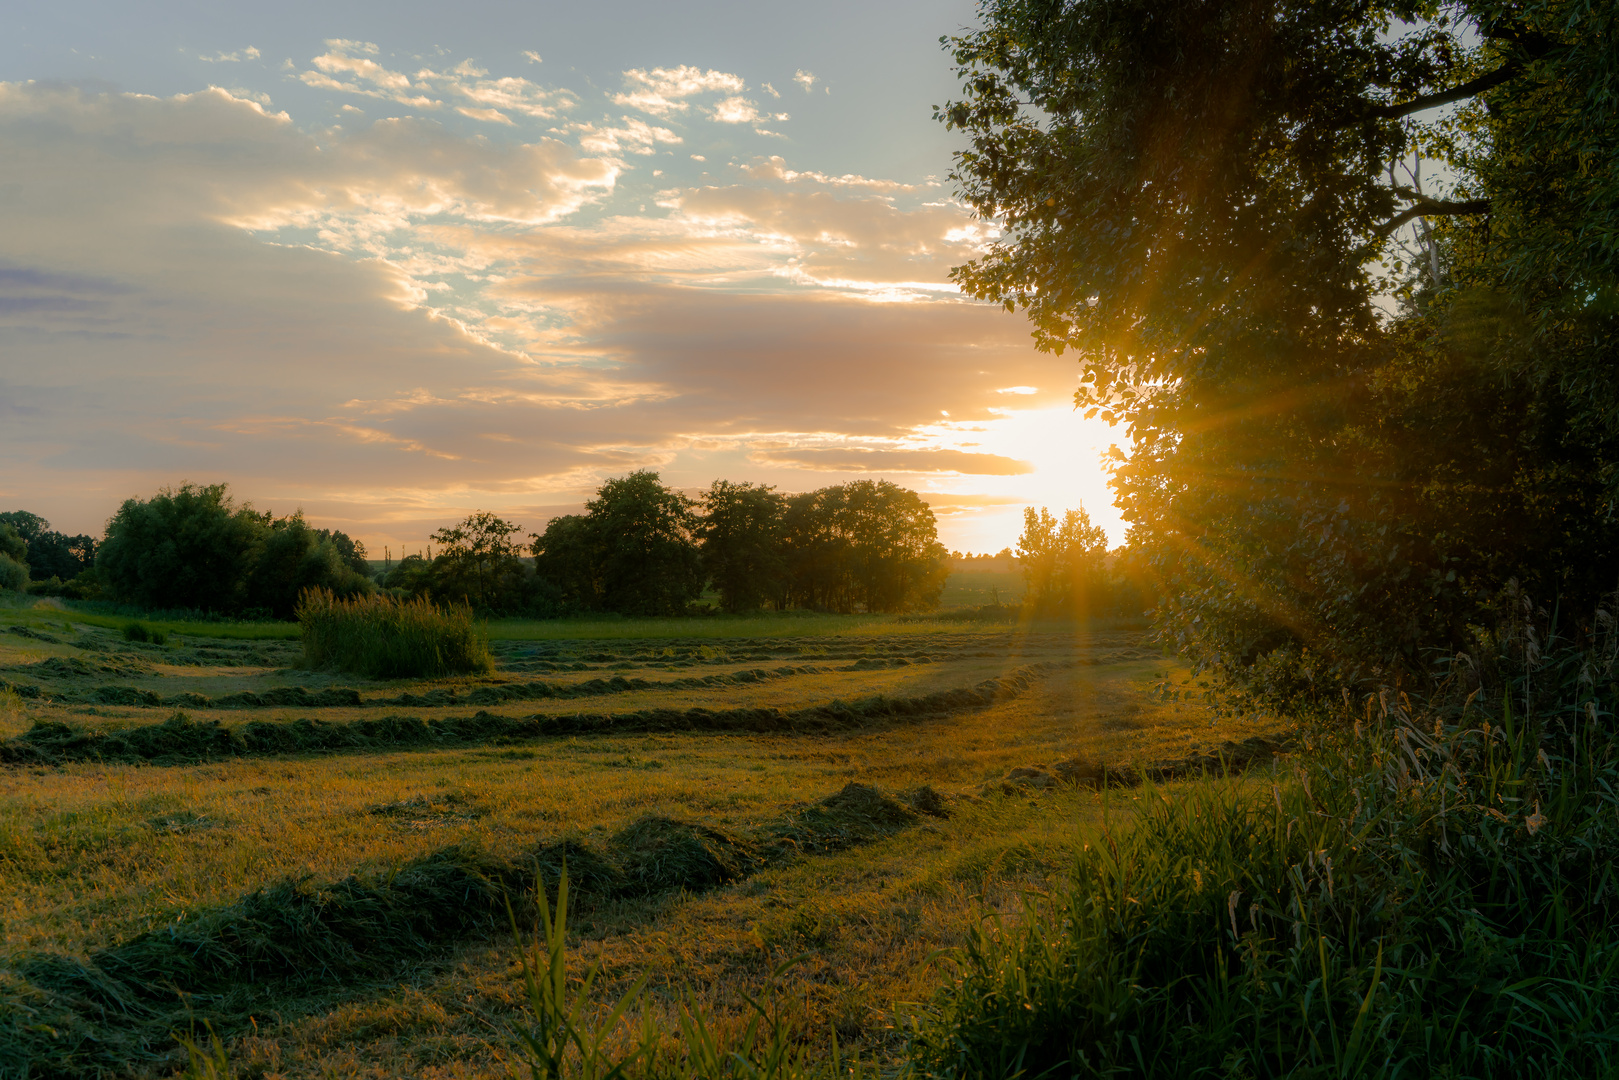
(1432, 893)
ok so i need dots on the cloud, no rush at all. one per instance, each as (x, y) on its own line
(396, 324)
(876, 461)
(662, 91)
(631, 136)
(493, 100)
(249, 53)
(532, 56)
(805, 79)
(736, 110)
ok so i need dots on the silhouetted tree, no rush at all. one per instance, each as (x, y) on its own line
(866, 545)
(290, 557)
(568, 560)
(480, 564)
(1062, 562)
(742, 531)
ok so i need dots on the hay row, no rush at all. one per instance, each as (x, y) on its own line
(183, 740)
(114, 1010)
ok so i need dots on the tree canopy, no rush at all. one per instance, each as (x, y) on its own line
(193, 547)
(1343, 452)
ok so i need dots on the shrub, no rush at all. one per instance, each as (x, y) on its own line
(139, 631)
(383, 638)
(13, 574)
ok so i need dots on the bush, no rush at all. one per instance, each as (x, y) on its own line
(139, 631)
(383, 638)
(13, 574)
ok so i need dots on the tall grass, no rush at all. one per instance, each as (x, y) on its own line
(380, 637)
(1432, 893)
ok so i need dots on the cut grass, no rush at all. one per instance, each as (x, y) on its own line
(93, 855)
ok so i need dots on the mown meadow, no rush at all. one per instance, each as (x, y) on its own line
(209, 834)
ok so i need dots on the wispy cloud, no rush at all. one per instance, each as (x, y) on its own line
(348, 68)
(249, 53)
(663, 91)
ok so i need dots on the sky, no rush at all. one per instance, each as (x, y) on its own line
(393, 263)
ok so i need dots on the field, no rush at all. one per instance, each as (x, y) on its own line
(728, 794)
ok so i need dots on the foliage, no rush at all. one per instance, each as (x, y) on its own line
(479, 563)
(291, 557)
(568, 560)
(13, 574)
(50, 553)
(1431, 895)
(383, 638)
(139, 631)
(193, 547)
(1062, 564)
(646, 537)
(742, 542)
(634, 551)
(12, 545)
(1197, 210)
(863, 546)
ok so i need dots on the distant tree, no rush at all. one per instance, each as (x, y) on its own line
(350, 550)
(568, 560)
(1062, 562)
(863, 546)
(290, 557)
(480, 564)
(51, 554)
(647, 534)
(13, 574)
(412, 574)
(12, 544)
(190, 547)
(742, 531)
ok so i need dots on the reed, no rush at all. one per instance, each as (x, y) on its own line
(380, 637)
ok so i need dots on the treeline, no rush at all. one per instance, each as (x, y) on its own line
(640, 548)
(30, 551)
(188, 548)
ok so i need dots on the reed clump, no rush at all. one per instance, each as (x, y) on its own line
(381, 637)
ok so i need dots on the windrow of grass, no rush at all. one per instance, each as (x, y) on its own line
(380, 637)
(114, 1011)
(1432, 894)
(183, 740)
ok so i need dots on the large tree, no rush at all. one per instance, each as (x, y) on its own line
(634, 551)
(186, 547)
(742, 543)
(1198, 199)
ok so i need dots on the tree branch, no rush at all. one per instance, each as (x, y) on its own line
(1425, 207)
(1395, 111)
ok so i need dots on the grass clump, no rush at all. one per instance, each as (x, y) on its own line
(139, 631)
(380, 637)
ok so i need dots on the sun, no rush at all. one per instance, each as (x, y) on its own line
(1065, 452)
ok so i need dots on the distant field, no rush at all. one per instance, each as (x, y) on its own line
(611, 741)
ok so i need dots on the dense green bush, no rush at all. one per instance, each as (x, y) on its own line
(383, 638)
(139, 631)
(13, 574)
(193, 547)
(1431, 893)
